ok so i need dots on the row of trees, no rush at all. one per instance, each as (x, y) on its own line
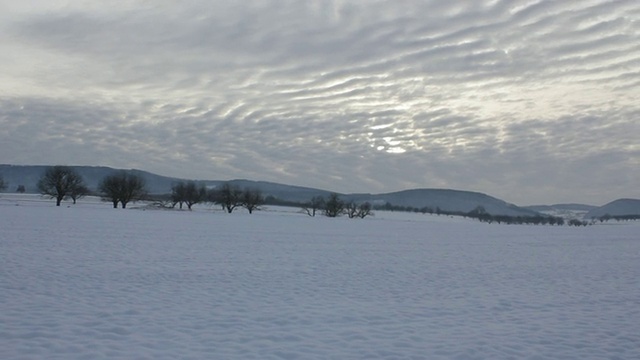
(607, 217)
(482, 215)
(62, 182)
(229, 196)
(333, 206)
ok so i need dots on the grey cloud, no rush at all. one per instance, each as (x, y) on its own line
(507, 97)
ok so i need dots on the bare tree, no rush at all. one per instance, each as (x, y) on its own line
(109, 188)
(188, 193)
(364, 210)
(59, 182)
(122, 188)
(351, 209)
(228, 196)
(334, 206)
(79, 192)
(133, 190)
(316, 203)
(252, 199)
(355, 210)
(178, 194)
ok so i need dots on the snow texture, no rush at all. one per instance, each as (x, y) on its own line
(91, 282)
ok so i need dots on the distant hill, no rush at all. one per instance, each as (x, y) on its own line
(446, 200)
(618, 207)
(28, 175)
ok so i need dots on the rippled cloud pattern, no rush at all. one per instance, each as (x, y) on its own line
(530, 101)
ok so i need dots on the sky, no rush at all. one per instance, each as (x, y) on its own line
(533, 102)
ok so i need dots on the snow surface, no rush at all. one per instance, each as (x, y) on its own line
(91, 282)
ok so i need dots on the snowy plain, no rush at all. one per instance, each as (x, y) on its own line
(90, 282)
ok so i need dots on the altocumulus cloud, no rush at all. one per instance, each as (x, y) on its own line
(530, 101)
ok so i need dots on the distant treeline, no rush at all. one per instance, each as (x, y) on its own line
(482, 215)
(62, 183)
(478, 213)
(607, 217)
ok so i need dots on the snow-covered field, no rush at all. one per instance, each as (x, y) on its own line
(91, 282)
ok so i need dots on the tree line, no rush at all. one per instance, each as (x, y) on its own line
(228, 196)
(480, 214)
(121, 188)
(63, 183)
(607, 217)
(333, 206)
